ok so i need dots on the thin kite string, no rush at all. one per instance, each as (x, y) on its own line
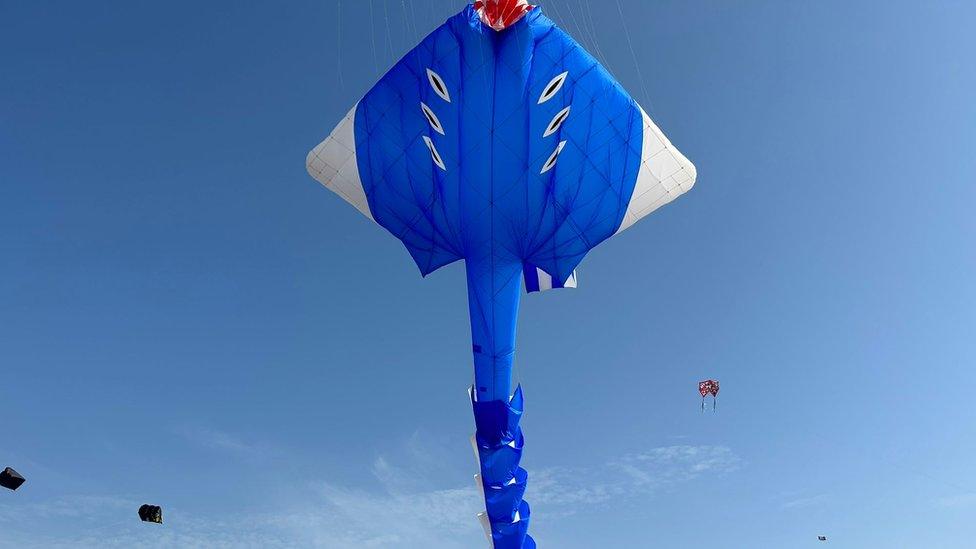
(633, 54)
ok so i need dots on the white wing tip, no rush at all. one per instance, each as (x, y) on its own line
(664, 174)
(333, 164)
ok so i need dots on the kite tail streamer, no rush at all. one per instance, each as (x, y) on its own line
(498, 444)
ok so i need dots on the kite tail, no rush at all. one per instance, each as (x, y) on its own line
(498, 443)
(494, 290)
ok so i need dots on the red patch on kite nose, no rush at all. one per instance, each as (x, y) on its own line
(500, 14)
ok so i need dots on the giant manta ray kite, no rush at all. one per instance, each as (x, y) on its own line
(500, 141)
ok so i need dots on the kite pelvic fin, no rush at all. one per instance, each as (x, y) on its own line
(537, 280)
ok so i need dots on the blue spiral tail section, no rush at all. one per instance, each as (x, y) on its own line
(498, 444)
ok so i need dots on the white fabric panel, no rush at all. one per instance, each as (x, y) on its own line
(481, 491)
(665, 174)
(333, 164)
(482, 516)
(571, 281)
(486, 524)
(477, 457)
(545, 281)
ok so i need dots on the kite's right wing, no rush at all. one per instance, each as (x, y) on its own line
(665, 174)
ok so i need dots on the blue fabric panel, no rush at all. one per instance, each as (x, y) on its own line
(494, 290)
(499, 438)
(506, 499)
(508, 535)
(498, 427)
(498, 422)
(492, 203)
(499, 463)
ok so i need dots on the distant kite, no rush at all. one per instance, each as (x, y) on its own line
(11, 479)
(708, 387)
(501, 142)
(151, 513)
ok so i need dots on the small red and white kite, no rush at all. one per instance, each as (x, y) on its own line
(709, 386)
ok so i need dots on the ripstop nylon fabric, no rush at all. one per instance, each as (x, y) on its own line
(515, 151)
(491, 204)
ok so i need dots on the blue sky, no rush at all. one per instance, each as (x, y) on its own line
(188, 319)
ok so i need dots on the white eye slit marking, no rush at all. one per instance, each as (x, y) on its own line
(557, 122)
(552, 159)
(552, 87)
(434, 155)
(437, 83)
(432, 119)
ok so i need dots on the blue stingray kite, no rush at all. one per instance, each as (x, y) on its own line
(500, 141)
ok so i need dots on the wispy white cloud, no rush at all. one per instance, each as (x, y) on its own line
(958, 500)
(77, 507)
(213, 439)
(564, 491)
(408, 507)
(342, 517)
(806, 501)
(552, 491)
(111, 522)
(561, 487)
(681, 463)
(331, 517)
